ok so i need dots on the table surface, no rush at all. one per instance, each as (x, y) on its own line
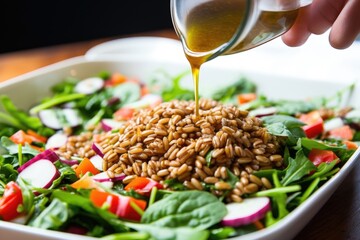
(338, 219)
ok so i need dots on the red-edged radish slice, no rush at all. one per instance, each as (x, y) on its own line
(47, 154)
(50, 119)
(148, 100)
(246, 212)
(103, 177)
(333, 124)
(22, 219)
(69, 162)
(72, 116)
(109, 124)
(97, 161)
(40, 174)
(97, 149)
(59, 118)
(56, 141)
(262, 112)
(89, 85)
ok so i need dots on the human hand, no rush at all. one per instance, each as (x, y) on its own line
(342, 16)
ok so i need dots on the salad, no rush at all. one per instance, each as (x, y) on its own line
(112, 157)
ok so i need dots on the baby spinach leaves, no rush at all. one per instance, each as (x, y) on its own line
(297, 168)
(195, 209)
(284, 126)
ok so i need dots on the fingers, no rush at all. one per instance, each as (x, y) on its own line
(347, 26)
(323, 14)
(298, 33)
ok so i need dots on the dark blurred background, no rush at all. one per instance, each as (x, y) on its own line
(30, 24)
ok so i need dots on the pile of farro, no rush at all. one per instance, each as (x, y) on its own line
(170, 142)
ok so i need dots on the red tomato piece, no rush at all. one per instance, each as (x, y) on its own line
(99, 198)
(314, 123)
(124, 113)
(344, 132)
(86, 166)
(351, 145)
(143, 185)
(20, 137)
(246, 97)
(126, 211)
(119, 205)
(318, 156)
(10, 201)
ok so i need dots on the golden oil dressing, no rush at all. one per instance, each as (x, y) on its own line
(213, 23)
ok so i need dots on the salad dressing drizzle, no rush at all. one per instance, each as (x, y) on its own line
(214, 23)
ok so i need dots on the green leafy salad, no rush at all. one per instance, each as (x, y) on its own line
(114, 158)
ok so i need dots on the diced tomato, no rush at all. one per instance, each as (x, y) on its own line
(20, 137)
(86, 166)
(124, 113)
(351, 145)
(144, 90)
(85, 182)
(246, 97)
(117, 204)
(36, 137)
(143, 185)
(126, 211)
(99, 198)
(344, 132)
(318, 156)
(314, 123)
(10, 201)
(115, 79)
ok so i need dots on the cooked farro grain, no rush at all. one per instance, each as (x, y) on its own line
(170, 142)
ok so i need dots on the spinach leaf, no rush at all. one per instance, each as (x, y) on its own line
(7, 174)
(54, 216)
(127, 236)
(279, 201)
(322, 170)
(66, 86)
(101, 216)
(27, 195)
(222, 233)
(167, 233)
(294, 107)
(228, 93)
(284, 126)
(20, 118)
(196, 209)
(176, 91)
(297, 168)
(340, 151)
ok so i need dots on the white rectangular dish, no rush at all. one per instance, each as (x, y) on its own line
(28, 89)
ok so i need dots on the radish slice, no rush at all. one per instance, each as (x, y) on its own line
(69, 162)
(148, 100)
(50, 119)
(246, 212)
(89, 85)
(353, 114)
(59, 118)
(97, 161)
(333, 124)
(56, 141)
(97, 149)
(262, 112)
(22, 219)
(40, 174)
(47, 154)
(109, 124)
(103, 177)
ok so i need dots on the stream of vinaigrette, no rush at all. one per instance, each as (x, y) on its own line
(213, 23)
